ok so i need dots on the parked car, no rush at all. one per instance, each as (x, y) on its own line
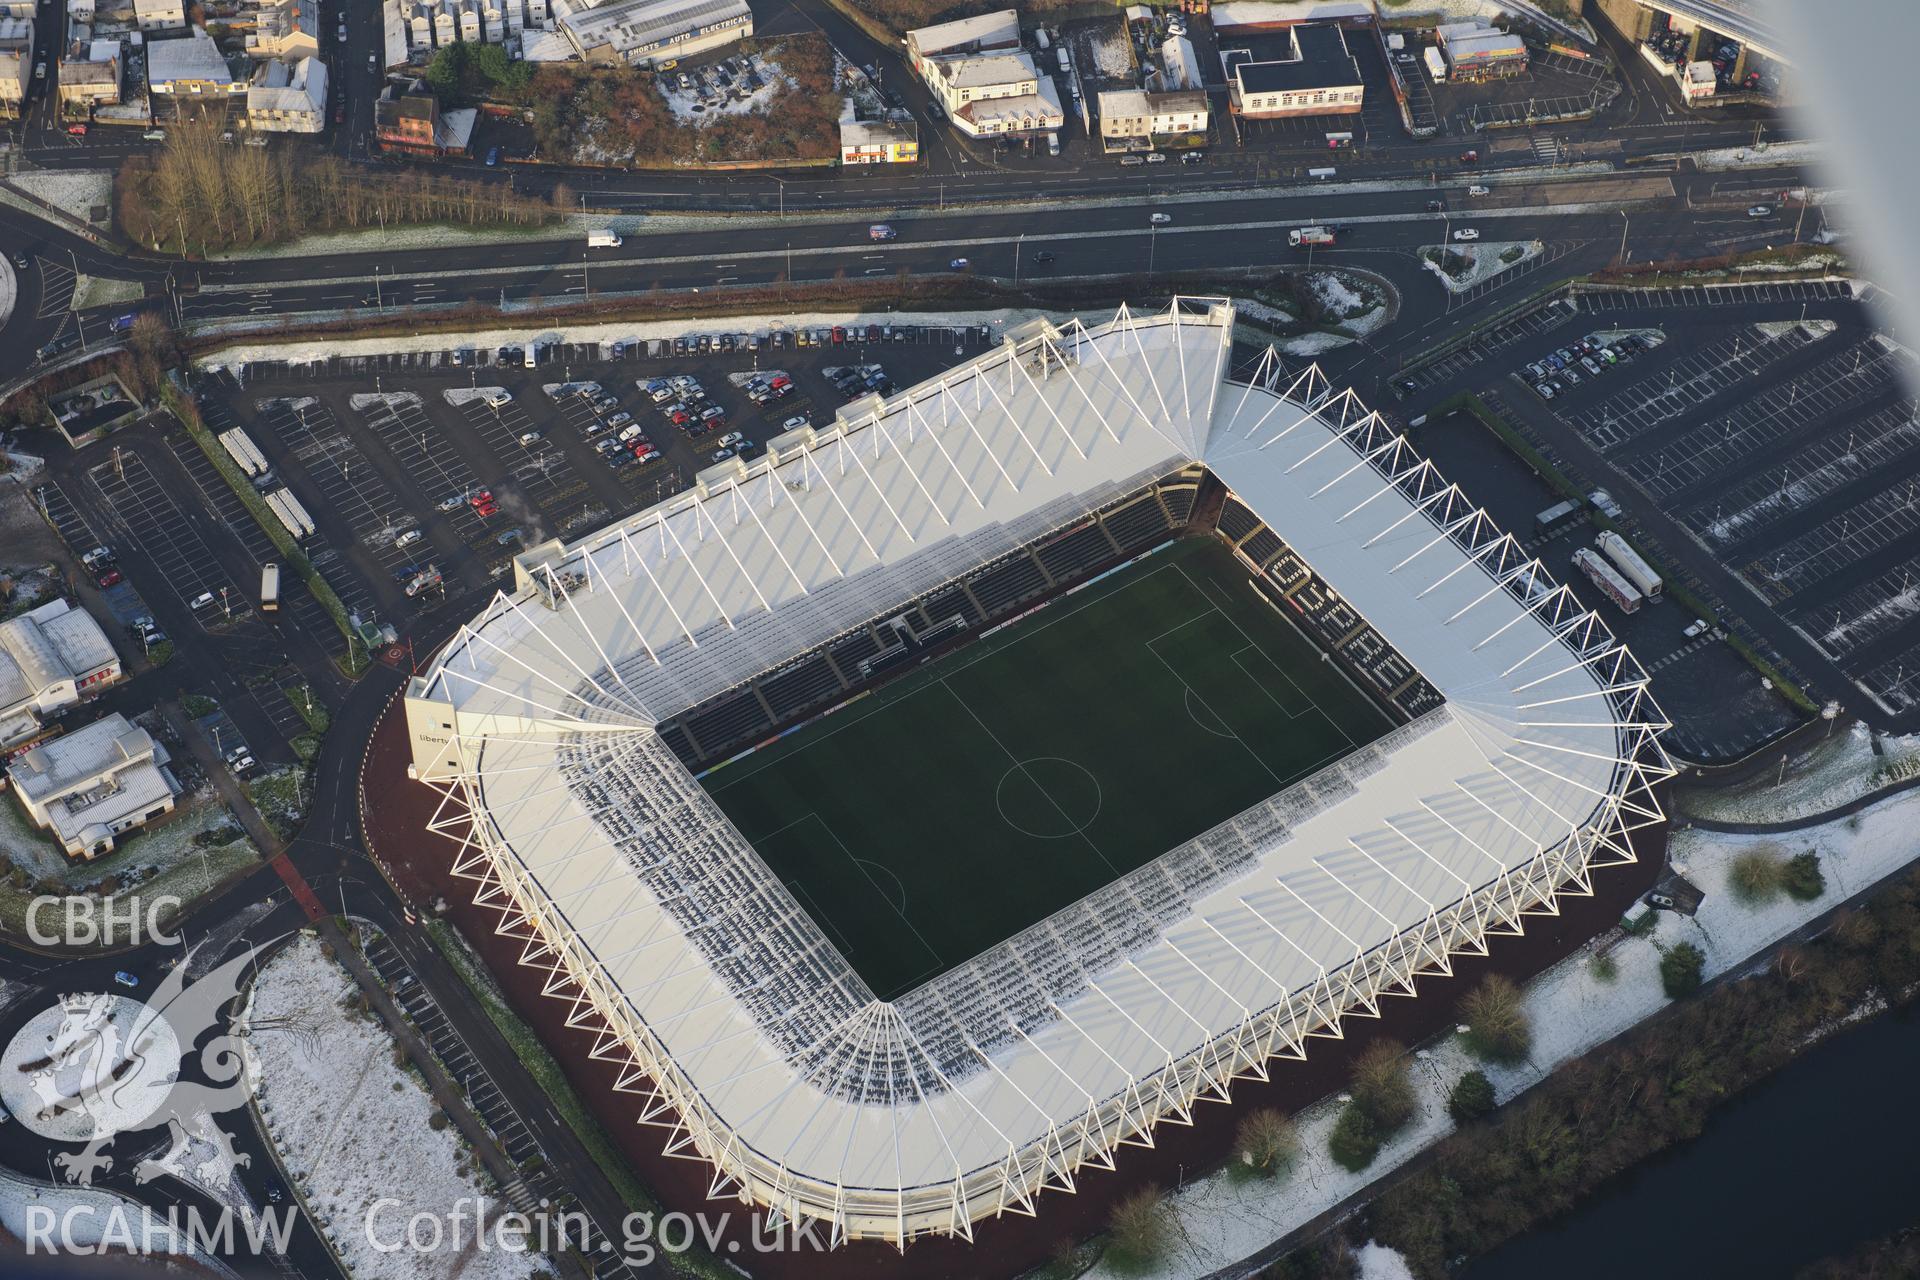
(125, 979)
(721, 455)
(408, 537)
(529, 438)
(107, 577)
(1130, 161)
(493, 156)
(1193, 157)
(1156, 157)
(794, 423)
(620, 419)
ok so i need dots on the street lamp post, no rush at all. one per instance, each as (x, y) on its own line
(1019, 245)
(1625, 222)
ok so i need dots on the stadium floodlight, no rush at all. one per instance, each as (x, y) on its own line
(565, 727)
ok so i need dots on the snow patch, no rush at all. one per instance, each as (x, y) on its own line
(1112, 50)
(362, 401)
(1484, 261)
(75, 190)
(352, 1128)
(318, 349)
(1762, 157)
(466, 395)
(1312, 344)
(1378, 1262)
(1835, 772)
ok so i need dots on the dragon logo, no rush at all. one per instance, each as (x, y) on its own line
(95, 1066)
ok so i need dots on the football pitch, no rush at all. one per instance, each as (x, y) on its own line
(957, 805)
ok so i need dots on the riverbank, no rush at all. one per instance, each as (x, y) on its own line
(1222, 1221)
(1603, 1115)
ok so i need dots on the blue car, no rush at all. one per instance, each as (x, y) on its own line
(493, 156)
(125, 979)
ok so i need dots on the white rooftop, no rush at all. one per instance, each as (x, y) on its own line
(986, 30)
(194, 57)
(969, 1094)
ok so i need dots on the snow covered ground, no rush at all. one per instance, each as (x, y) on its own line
(1766, 155)
(465, 395)
(75, 190)
(507, 332)
(1223, 1218)
(352, 1128)
(688, 108)
(84, 1217)
(365, 400)
(1486, 262)
(9, 290)
(97, 291)
(1835, 772)
(1112, 52)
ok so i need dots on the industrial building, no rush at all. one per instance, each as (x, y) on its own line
(93, 785)
(50, 658)
(1320, 78)
(644, 33)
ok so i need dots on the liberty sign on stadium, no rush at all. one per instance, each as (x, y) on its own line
(922, 811)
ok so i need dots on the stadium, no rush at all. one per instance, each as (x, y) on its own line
(928, 809)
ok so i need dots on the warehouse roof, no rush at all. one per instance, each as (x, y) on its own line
(998, 30)
(1320, 61)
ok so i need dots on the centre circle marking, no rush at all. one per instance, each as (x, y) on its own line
(1069, 801)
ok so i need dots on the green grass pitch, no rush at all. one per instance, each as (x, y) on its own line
(980, 794)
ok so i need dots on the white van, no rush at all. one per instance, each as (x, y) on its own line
(533, 354)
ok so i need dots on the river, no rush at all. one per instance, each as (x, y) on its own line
(1816, 1161)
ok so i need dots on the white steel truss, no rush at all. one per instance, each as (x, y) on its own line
(747, 1036)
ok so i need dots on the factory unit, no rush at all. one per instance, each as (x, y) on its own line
(1321, 78)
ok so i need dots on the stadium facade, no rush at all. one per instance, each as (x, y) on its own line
(565, 724)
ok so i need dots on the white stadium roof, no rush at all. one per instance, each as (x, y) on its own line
(756, 1042)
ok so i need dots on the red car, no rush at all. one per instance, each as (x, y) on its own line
(487, 508)
(483, 495)
(77, 130)
(839, 335)
(779, 380)
(108, 577)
